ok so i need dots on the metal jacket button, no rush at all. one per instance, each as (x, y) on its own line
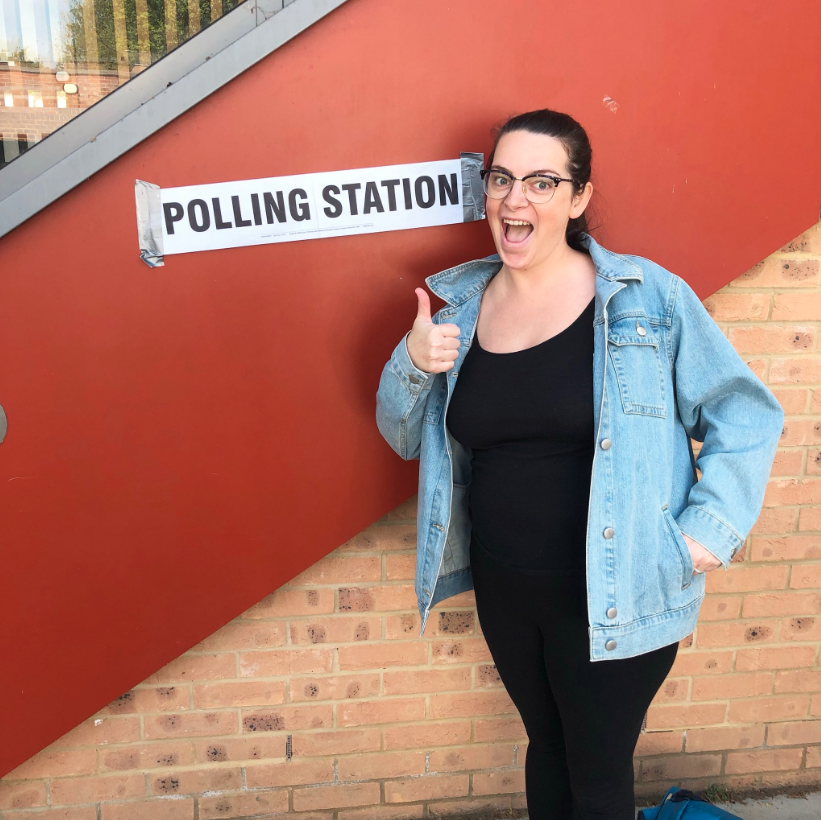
(612, 612)
(640, 330)
(609, 532)
(605, 444)
(611, 644)
(414, 379)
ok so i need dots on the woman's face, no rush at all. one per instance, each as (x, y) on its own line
(525, 246)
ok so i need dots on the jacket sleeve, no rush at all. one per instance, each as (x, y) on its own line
(400, 402)
(723, 404)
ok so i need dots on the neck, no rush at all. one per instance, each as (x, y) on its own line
(542, 276)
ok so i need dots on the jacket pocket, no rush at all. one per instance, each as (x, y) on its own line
(681, 546)
(639, 372)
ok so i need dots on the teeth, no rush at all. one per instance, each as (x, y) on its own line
(515, 222)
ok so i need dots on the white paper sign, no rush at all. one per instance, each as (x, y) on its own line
(307, 206)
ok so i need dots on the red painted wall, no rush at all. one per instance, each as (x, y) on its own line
(164, 422)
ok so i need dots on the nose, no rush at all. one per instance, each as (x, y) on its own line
(516, 196)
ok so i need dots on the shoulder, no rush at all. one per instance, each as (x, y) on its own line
(658, 284)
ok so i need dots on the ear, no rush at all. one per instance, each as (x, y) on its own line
(580, 201)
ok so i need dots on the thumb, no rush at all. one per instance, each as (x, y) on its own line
(423, 308)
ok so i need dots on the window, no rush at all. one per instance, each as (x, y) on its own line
(62, 56)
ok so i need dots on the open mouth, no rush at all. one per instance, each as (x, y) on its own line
(516, 230)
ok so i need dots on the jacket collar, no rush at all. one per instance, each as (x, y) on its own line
(456, 285)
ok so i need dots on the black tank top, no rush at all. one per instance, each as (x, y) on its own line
(528, 418)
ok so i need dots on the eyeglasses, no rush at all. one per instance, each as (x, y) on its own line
(537, 188)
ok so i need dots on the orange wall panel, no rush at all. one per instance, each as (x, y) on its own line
(168, 426)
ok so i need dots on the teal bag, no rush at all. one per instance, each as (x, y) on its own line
(682, 804)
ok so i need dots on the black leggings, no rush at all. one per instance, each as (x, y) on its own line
(582, 717)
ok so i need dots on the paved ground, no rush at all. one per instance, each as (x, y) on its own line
(807, 807)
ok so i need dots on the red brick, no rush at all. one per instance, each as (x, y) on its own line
(796, 307)
(747, 579)
(340, 569)
(100, 731)
(387, 710)
(786, 548)
(488, 730)
(499, 782)
(679, 767)
(285, 662)
(336, 796)
(239, 749)
(95, 789)
(197, 724)
(146, 756)
(701, 663)
(335, 629)
(381, 765)
(656, 743)
(718, 738)
(291, 603)
(805, 576)
(336, 742)
(427, 735)
(695, 714)
(383, 655)
(423, 681)
(466, 758)
(783, 707)
(150, 699)
(244, 804)
(763, 761)
(719, 608)
(243, 693)
(775, 271)
(737, 633)
(775, 657)
(738, 685)
(196, 782)
(792, 734)
(798, 680)
(290, 773)
(338, 687)
(56, 764)
(160, 808)
(383, 538)
(197, 667)
(461, 650)
(22, 795)
(243, 634)
(772, 338)
(428, 787)
(781, 603)
(287, 718)
(469, 704)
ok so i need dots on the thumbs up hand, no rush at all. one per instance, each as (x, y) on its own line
(432, 348)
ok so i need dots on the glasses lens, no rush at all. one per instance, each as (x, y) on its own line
(540, 189)
(497, 184)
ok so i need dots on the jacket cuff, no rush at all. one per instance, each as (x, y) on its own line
(415, 379)
(712, 533)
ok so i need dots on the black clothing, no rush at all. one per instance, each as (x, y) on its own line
(582, 717)
(528, 418)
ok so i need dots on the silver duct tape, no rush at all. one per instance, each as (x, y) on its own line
(149, 222)
(473, 197)
(3, 425)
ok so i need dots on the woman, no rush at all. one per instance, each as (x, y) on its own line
(551, 403)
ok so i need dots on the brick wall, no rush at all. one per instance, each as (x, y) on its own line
(321, 701)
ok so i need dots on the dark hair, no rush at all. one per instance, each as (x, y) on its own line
(579, 155)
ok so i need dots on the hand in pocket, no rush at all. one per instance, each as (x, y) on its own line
(703, 559)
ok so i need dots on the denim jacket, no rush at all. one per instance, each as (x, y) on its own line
(663, 373)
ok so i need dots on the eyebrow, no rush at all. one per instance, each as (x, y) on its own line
(540, 171)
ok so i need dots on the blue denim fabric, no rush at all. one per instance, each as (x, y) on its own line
(666, 374)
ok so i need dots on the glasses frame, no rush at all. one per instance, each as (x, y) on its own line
(485, 171)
